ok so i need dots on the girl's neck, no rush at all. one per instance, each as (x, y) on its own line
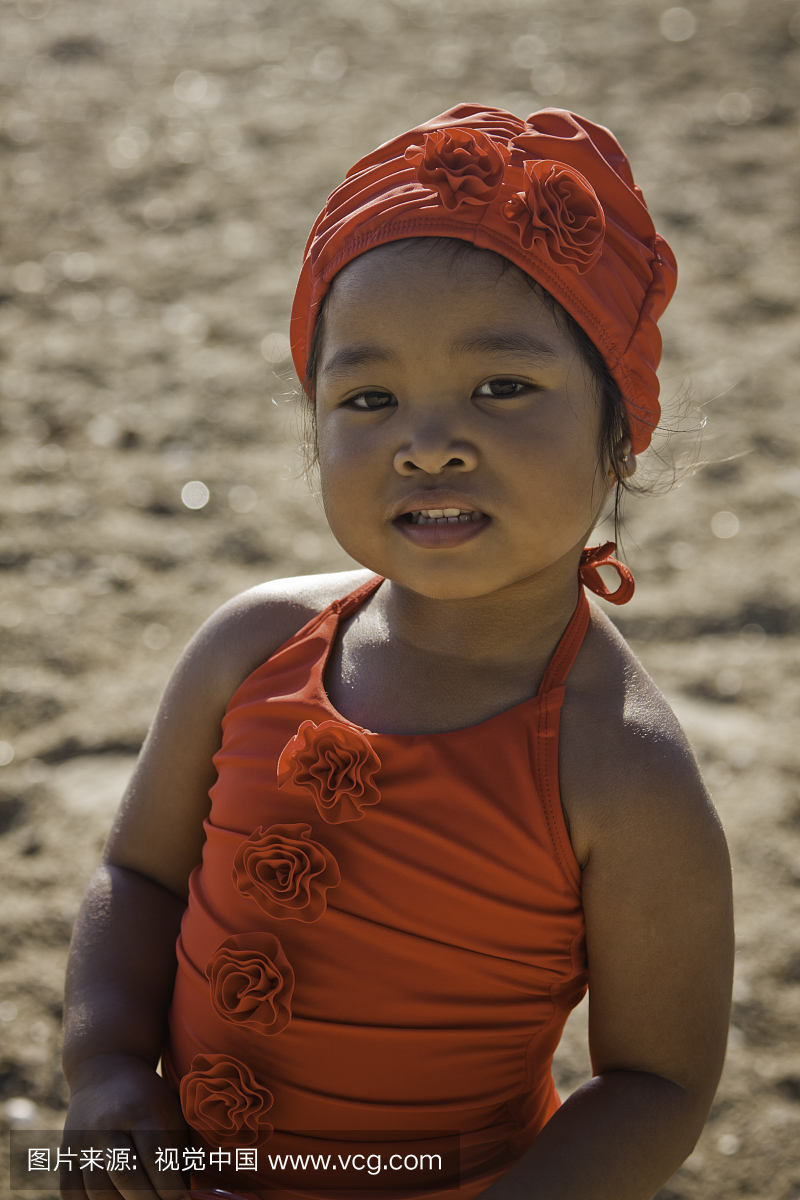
(519, 622)
(404, 663)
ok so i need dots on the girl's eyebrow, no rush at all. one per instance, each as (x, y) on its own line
(357, 355)
(506, 341)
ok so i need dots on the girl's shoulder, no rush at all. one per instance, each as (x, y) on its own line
(159, 830)
(624, 758)
(247, 630)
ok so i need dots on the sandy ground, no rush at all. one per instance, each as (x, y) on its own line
(161, 164)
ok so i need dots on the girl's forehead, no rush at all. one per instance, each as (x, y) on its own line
(414, 261)
(418, 283)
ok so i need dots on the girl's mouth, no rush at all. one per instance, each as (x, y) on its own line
(441, 527)
(441, 516)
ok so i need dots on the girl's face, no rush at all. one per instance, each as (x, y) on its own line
(448, 385)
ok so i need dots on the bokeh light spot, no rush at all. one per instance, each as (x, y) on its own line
(677, 24)
(195, 494)
(725, 524)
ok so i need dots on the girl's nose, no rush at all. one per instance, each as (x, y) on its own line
(433, 453)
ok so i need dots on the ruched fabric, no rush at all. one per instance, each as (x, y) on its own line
(385, 932)
(553, 194)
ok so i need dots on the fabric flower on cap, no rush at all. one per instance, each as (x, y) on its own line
(560, 210)
(221, 1099)
(554, 194)
(285, 872)
(335, 763)
(464, 166)
(252, 982)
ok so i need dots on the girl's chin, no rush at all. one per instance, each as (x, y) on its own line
(454, 561)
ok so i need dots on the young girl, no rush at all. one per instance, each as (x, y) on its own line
(444, 795)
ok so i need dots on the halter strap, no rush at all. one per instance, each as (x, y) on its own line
(572, 638)
(551, 696)
(603, 556)
(348, 604)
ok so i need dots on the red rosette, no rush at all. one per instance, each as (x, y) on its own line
(252, 982)
(222, 1100)
(560, 211)
(465, 166)
(335, 763)
(285, 872)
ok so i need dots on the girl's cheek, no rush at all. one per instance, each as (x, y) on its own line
(347, 480)
(339, 477)
(350, 457)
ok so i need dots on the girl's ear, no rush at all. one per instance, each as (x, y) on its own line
(624, 463)
(625, 459)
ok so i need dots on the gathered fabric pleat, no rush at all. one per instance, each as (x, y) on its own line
(385, 931)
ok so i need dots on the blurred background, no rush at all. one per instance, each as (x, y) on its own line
(161, 163)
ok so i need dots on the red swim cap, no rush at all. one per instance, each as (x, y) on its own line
(553, 194)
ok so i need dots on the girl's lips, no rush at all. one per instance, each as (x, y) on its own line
(441, 537)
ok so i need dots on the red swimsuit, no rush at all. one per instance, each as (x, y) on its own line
(385, 932)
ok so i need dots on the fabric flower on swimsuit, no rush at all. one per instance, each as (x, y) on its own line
(252, 982)
(222, 1100)
(285, 872)
(465, 166)
(559, 210)
(335, 763)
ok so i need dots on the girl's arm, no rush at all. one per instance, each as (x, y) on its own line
(122, 960)
(656, 893)
(119, 984)
(122, 963)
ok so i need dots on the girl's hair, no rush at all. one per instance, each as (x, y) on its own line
(614, 419)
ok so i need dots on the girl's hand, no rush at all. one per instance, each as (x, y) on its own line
(120, 1106)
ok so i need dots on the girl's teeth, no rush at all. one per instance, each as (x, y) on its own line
(444, 516)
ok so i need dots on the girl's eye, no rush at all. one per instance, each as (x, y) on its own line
(500, 388)
(370, 401)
